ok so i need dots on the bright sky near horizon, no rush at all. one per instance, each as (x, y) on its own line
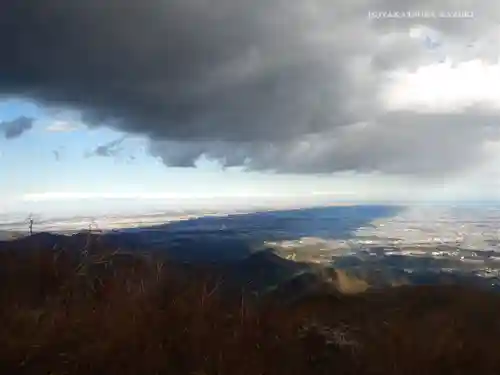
(424, 105)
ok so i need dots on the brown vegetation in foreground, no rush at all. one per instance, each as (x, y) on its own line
(125, 314)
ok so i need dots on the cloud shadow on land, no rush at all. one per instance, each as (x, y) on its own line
(233, 237)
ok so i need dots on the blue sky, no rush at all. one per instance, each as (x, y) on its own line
(32, 176)
(29, 165)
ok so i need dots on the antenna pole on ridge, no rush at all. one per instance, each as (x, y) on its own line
(30, 219)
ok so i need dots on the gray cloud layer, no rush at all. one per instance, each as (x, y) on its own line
(15, 128)
(272, 84)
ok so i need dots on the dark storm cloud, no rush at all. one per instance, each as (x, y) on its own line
(177, 69)
(271, 84)
(15, 128)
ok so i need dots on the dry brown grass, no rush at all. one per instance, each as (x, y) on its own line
(126, 314)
